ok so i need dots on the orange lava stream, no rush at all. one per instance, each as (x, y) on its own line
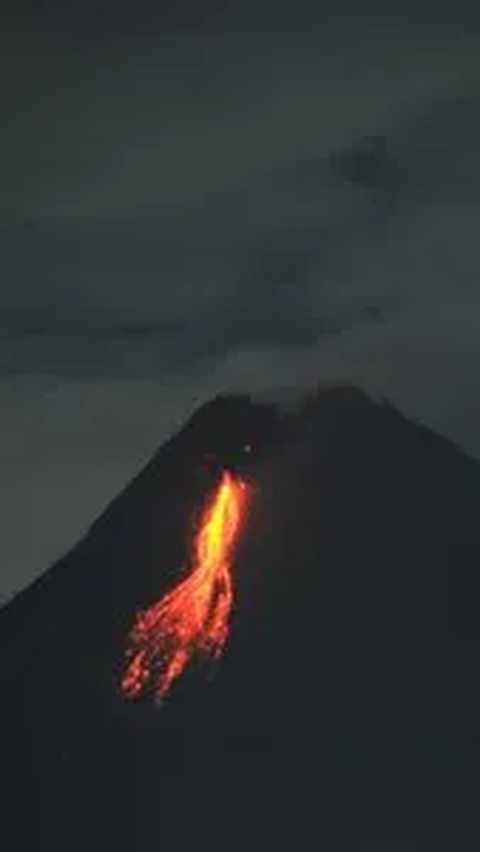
(192, 620)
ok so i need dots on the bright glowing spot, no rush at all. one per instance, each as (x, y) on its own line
(192, 620)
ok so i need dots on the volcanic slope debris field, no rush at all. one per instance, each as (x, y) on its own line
(343, 640)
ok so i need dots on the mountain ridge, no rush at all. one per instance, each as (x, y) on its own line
(349, 677)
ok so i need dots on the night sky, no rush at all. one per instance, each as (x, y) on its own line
(219, 196)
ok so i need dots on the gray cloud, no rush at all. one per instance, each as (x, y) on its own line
(249, 209)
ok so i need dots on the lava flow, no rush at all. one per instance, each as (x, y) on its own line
(192, 620)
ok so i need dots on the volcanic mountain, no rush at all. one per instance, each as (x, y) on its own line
(344, 713)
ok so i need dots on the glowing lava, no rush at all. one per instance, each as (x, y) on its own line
(192, 620)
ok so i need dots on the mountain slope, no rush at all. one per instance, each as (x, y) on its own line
(345, 712)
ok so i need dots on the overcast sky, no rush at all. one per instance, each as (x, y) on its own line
(205, 198)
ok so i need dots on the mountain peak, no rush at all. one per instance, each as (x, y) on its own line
(351, 658)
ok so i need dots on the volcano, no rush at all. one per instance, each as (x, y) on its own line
(344, 711)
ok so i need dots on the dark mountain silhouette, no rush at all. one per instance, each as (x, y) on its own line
(345, 713)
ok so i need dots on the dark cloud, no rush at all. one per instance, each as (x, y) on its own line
(220, 201)
(367, 164)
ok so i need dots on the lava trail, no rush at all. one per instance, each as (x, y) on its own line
(192, 620)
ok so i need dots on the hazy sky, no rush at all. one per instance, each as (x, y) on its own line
(202, 199)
